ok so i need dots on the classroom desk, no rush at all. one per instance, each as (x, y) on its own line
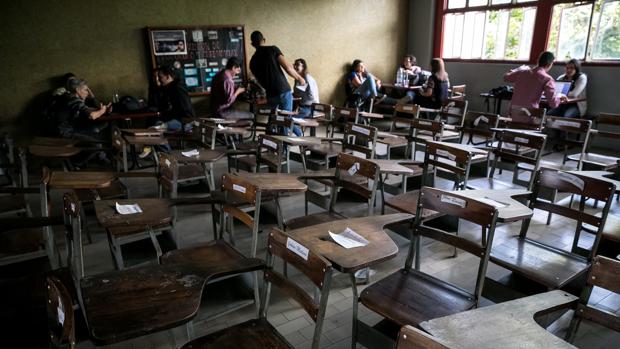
(301, 142)
(54, 141)
(497, 102)
(129, 116)
(379, 249)
(505, 325)
(508, 209)
(603, 175)
(205, 158)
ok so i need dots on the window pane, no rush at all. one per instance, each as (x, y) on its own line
(607, 37)
(478, 2)
(456, 3)
(495, 34)
(498, 2)
(448, 37)
(527, 33)
(525, 0)
(572, 33)
(508, 34)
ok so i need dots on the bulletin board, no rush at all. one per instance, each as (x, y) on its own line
(198, 52)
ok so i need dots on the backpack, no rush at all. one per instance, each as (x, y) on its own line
(502, 92)
(129, 104)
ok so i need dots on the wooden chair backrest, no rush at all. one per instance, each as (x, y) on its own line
(61, 320)
(437, 153)
(572, 128)
(348, 166)
(412, 110)
(508, 150)
(537, 117)
(345, 115)
(326, 109)
(279, 123)
(410, 337)
(360, 138)
(73, 235)
(604, 122)
(312, 265)
(425, 127)
(168, 172)
(207, 134)
(458, 92)
(480, 124)
(272, 146)
(453, 113)
(235, 187)
(604, 273)
(463, 208)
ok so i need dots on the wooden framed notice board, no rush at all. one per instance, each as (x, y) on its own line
(198, 52)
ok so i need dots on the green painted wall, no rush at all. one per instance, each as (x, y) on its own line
(104, 42)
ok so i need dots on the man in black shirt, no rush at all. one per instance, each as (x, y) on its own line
(76, 119)
(175, 103)
(266, 65)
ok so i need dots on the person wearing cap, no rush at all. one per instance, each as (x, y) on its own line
(224, 93)
(266, 65)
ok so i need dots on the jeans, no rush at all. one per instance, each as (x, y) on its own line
(368, 88)
(566, 110)
(284, 101)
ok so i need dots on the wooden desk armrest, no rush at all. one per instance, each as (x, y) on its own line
(18, 190)
(331, 139)
(216, 197)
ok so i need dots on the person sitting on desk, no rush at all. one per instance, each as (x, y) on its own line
(529, 85)
(361, 82)
(224, 93)
(308, 93)
(175, 104)
(578, 80)
(77, 119)
(435, 92)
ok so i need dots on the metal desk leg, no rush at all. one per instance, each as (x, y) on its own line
(50, 246)
(354, 310)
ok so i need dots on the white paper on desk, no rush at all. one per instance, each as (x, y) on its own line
(190, 153)
(354, 168)
(220, 127)
(349, 239)
(128, 209)
(494, 203)
(302, 87)
(293, 139)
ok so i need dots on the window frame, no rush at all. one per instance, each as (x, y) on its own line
(540, 36)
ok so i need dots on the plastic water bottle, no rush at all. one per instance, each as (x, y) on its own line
(399, 77)
(115, 98)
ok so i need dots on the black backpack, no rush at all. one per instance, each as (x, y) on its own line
(503, 92)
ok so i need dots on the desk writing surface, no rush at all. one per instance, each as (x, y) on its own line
(204, 156)
(293, 140)
(148, 132)
(154, 212)
(128, 116)
(505, 325)
(510, 210)
(392, 166)
(55, 151)
(80, 179)
(273, 182)
(54, 141)
(603, 175)
(380, 246)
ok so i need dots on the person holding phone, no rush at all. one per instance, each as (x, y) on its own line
(224, 93)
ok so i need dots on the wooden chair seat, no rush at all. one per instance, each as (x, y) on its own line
(125, 304)
(255, 333)
(202, 258)
(312, 219)
(538, 262)
(490, 183)
(250, 161)
(411, 297)
(408, 203)
(545, 164)
(601, 161)
(394, 141)
(116, 190)
(10, 203)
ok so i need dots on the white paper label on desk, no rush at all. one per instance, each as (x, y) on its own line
(196, 123)
(128, 209)
(280, 118)
(60, 312)
(167, 162)
(345, 112)
(297, 248)
(264, 111)
(360, 130)
(190, 153)
(567, 123)
(298, 120)
(425, 123)
(353, 169)
(220, 127)
(318, 107)
(117, 142)
(522, 140)
(302, 87)
(349, 239)
(446, 154)
(454, 201)
(239, 188)
(492, 202)
(408, 107)
(572, 179)
(270, 144)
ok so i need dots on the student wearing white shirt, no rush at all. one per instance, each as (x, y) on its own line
(308, 93)
(577, 90)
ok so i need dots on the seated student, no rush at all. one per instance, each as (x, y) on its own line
(435, 92)
(308, 93)
(78, 120)
(578, 80)
(412, 70)
(362, 82)
(529, 86)
(224, 93)
(175, 103)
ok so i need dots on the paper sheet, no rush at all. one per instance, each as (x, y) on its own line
(298, 120)
(190, 153)
(349, 239)
(128, 209)
(220, 127)
(302, 87)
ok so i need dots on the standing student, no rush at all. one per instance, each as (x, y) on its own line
(224, 93)
(266, 66)
(578, 80)
(530, 84)
(435, 92)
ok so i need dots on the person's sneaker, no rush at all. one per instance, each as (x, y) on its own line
(160, 127)
(380, 98)
(146, 151)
